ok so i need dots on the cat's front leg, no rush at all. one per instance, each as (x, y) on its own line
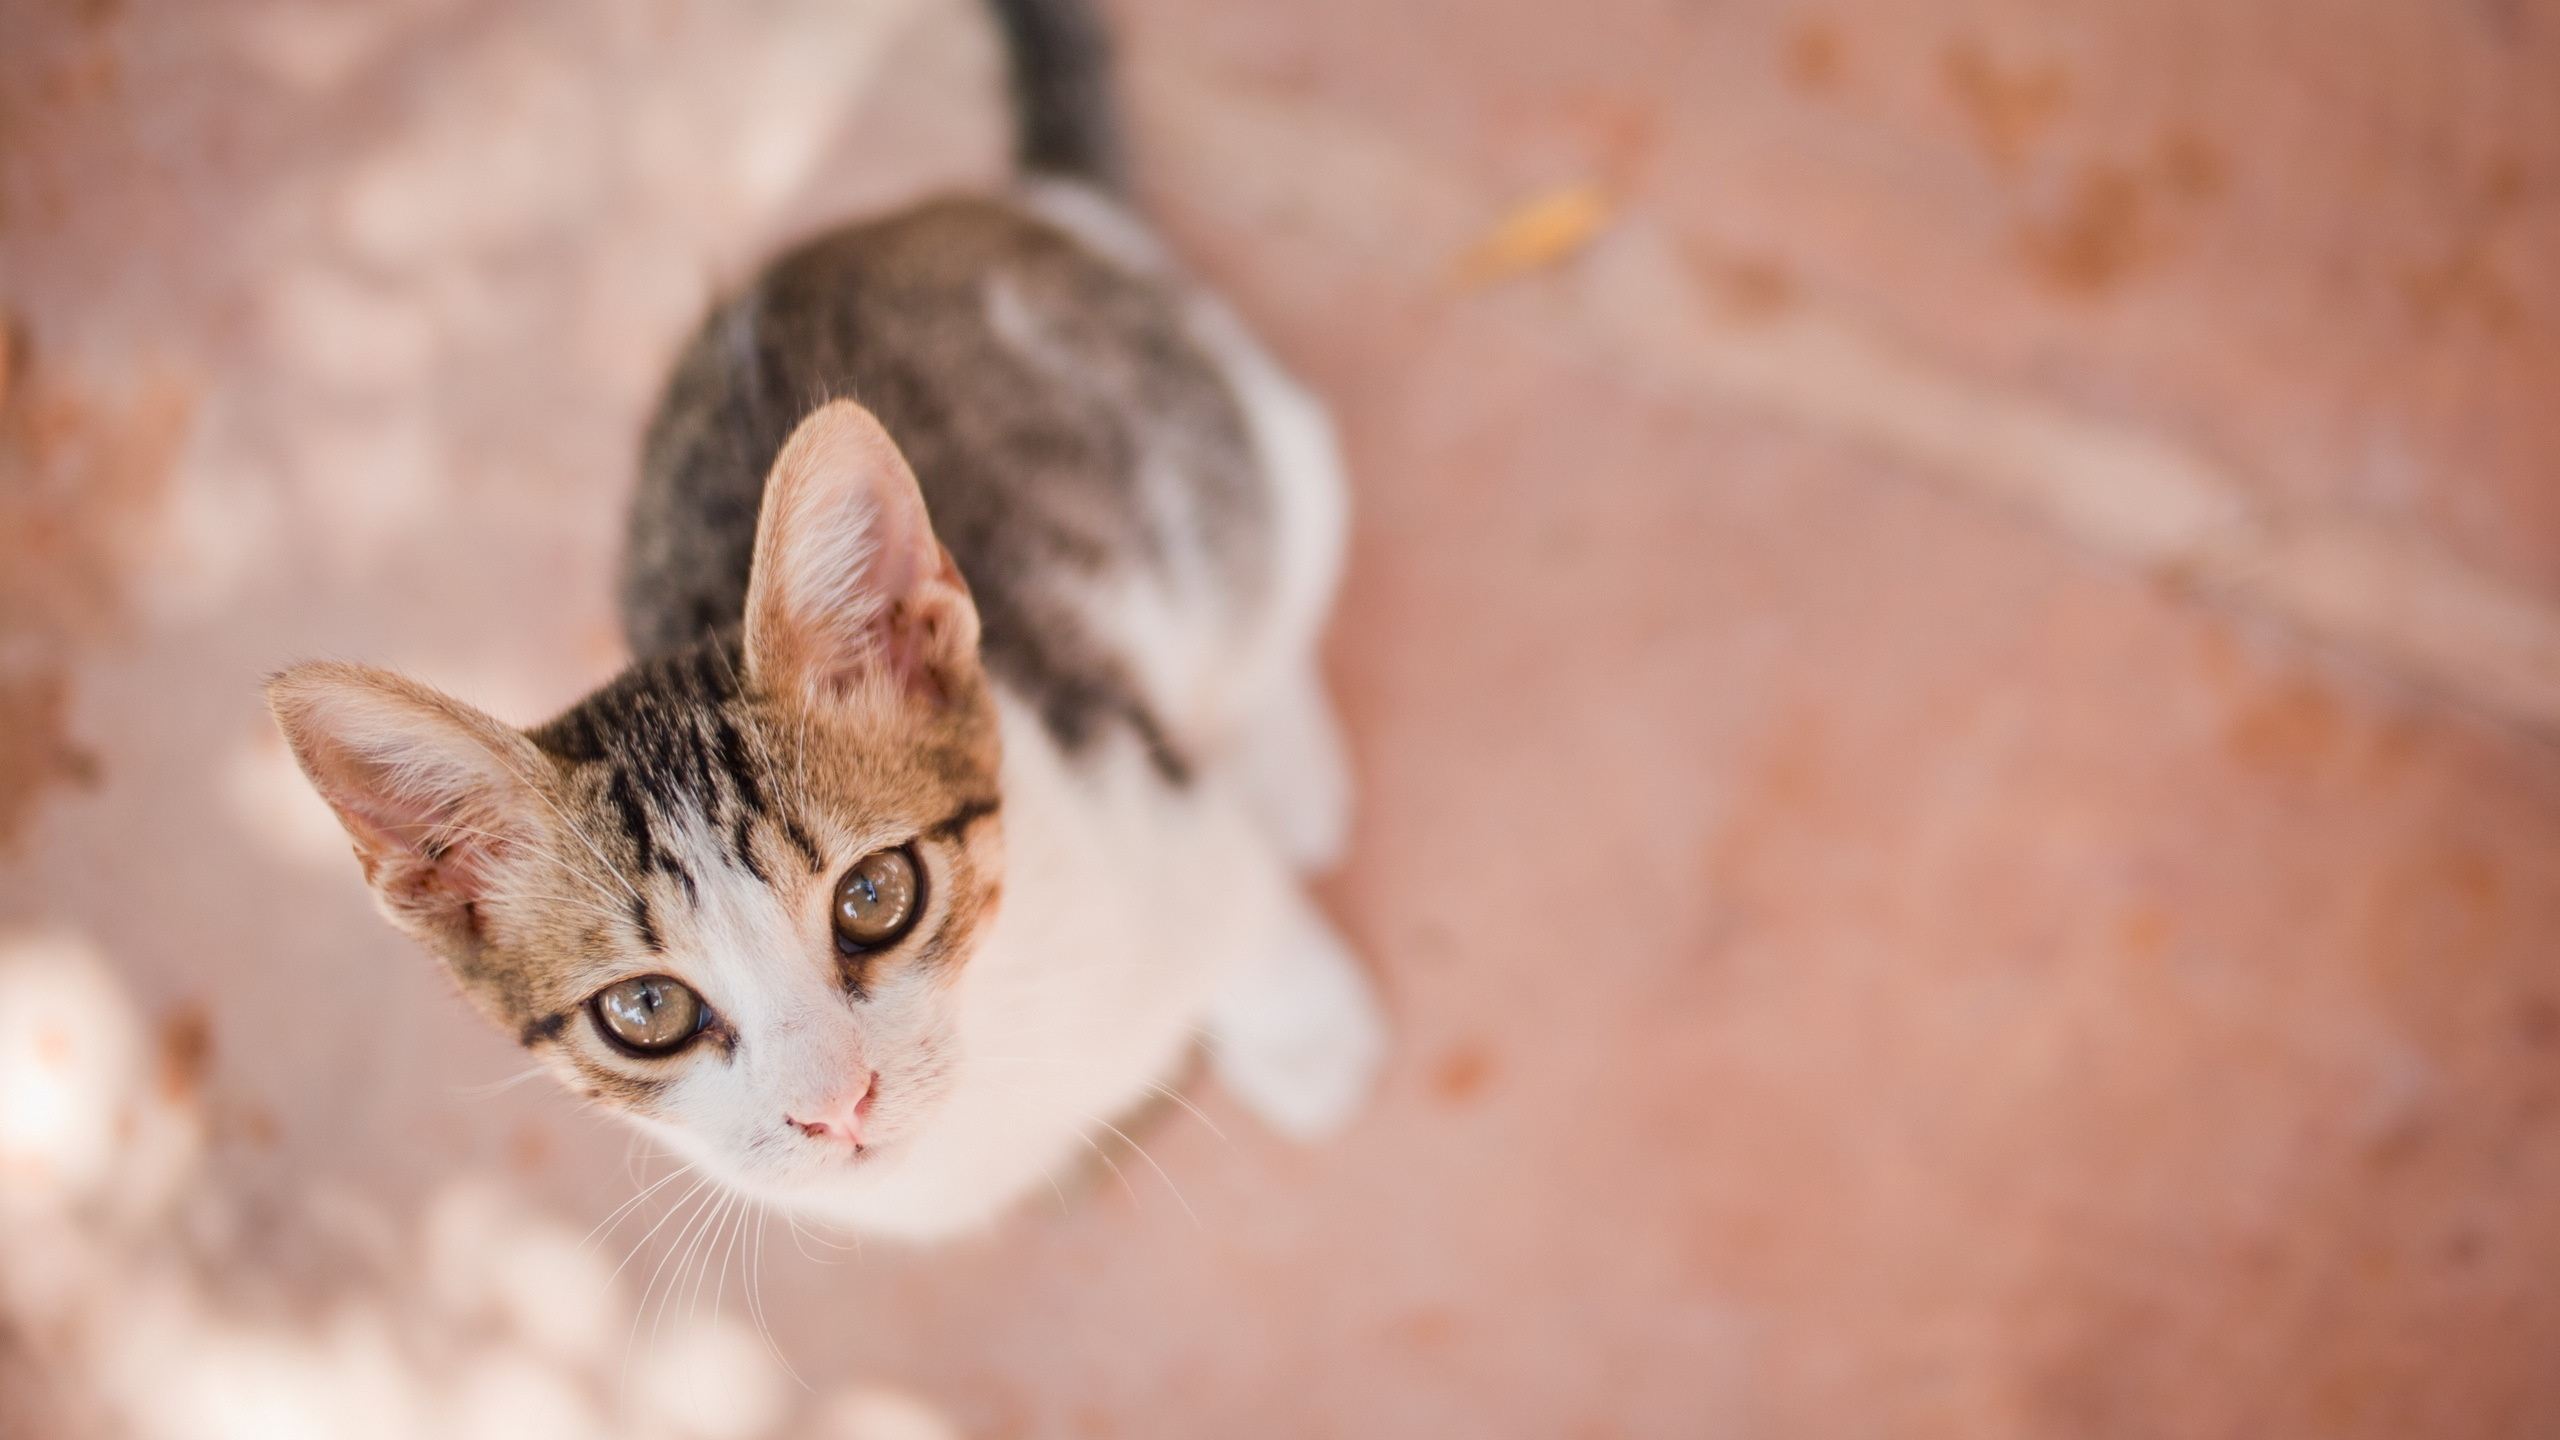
(1298, 1033)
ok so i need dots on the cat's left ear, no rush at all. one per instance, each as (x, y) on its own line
(850, 590)
(438, 798)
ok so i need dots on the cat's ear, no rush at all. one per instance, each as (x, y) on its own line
(436, 796)
(850, 590)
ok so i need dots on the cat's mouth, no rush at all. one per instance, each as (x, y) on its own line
(820, 1169)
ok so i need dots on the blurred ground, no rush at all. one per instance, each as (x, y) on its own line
(1959, 813)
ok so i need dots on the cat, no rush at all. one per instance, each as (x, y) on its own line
(974, 750)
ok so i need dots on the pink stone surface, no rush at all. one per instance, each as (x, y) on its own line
(1863, 963)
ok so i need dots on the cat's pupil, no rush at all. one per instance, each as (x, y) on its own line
(652, 1014)
(876, 899)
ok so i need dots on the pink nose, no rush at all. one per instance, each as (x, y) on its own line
(841, 1118)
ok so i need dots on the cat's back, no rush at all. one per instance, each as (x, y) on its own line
(1074, 415)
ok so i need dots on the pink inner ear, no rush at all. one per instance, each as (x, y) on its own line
(424, 786)
(447, 836)
(849, 582)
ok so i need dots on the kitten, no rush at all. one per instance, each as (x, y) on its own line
(975, 746)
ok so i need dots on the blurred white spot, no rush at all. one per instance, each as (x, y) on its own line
(274, 802)
(506, 1397)
(459, 1242)
(68, 1054)
(755, 105)
(219, 527)
(369, 479)
(504, 149)
(489, 1259)
(345, 335)
(711, 1379)
(247, 1386)
(558, 1294)
(800, 93)
(876, 1412)
(379, 1393)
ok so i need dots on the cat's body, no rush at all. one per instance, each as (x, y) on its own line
(1148, 512)
(1085, 728)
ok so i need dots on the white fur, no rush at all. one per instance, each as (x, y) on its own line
(1127, 906)
(1299, 1035)
(1289, 749)
(1296, 1030)
(1255, 696)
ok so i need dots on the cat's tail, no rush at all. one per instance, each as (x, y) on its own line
(1064, 121)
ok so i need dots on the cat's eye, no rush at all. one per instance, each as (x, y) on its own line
(650, 1015)
(878, 899)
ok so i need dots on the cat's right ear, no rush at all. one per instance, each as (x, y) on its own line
(435, 795)
(850, 592)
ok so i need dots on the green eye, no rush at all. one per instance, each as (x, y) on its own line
(878, 899)
(652, 1015)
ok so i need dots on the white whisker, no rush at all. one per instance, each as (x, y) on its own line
(755, 1295)
(632, 1340)
(497, 1087)
(1178, 1098)
(710, 1211)
(615, 1216)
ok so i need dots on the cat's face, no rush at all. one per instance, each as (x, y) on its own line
(728, 894)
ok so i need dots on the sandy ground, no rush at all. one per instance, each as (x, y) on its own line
(1953, 649)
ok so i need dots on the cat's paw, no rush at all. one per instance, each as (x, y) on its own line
(1299, 1035)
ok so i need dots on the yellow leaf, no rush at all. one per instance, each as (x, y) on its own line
(1545, 231)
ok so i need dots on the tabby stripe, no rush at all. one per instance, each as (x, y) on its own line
(957, 823)
(648, 931)
(1169, 762)
(733, 759)
(635, 821)
(740, 845)
(699, 760)
(798, 836)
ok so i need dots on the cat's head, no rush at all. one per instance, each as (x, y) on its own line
(729, 893)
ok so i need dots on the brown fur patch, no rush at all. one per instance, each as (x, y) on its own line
(80, 478)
